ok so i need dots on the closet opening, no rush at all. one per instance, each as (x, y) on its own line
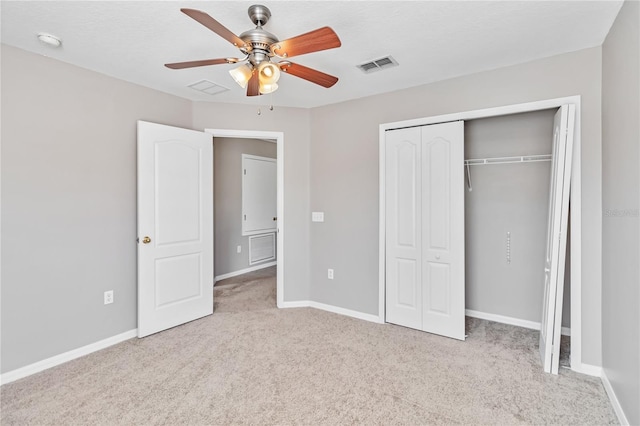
(502, 176)
(507, 185)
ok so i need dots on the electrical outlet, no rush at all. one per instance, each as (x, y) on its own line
(330, 274)
(239, 249)
(108, 297)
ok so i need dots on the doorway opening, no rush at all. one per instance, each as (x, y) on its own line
(241, 254)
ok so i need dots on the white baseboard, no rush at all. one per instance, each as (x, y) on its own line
(244, 271)
(622, 418)
(39, 366)
(532, 325)
(333, 309)
(347, 312)
(589, 370)
(296, 304)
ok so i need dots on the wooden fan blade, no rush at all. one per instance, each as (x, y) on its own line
(309, 74)
(191, 64)
(321, 39)
(214, 26)
(253, 86)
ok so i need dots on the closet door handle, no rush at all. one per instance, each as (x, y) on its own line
(437, 257)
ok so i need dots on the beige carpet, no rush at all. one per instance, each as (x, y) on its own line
(250, 363)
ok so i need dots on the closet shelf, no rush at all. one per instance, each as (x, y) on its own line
(507, 160)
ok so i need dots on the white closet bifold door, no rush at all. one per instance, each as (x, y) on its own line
(425, 228)
(557, 225)
(404, 227)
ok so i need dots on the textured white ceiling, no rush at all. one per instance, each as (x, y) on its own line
(431, 40)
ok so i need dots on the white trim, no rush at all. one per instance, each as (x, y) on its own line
(296, 304)
(244, 271)
(575, 224)
(532, 325)
(45, 364)
(278, 137)
(575, 200)
(346, 312)
(589, 370)
(333, 309)
(484, 113)
(622, 418)
(382, 233)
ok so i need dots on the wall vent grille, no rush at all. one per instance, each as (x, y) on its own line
(208, 87)
(262, 248)
(378, 64)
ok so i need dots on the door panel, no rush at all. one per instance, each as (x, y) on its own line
(439, 298)
(259, 195)
(175, 213)
(403, 270)
(437, 187)
(177, 200)
(443, 236)
(183, 269)
(557, 225)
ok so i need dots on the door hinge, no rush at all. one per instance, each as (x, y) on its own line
(245, 172)
(245, 217)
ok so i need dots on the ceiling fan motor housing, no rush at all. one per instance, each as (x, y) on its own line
(259, 14)
(259, 42)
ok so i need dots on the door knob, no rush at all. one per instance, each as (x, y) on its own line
(275, 218)
(146, 240)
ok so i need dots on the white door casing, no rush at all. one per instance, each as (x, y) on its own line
(259, 195)
(424, 217)
(175, 212)
(557, 224)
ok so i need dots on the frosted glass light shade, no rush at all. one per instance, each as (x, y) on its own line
(268, 88)
(268, 73)
(241, 75)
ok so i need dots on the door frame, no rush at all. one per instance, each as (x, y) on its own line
(575, 218)
(268, 136)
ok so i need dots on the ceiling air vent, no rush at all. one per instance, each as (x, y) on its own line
(378, 64)
(208, 87)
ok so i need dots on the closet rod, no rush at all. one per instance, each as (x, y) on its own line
(507, 160)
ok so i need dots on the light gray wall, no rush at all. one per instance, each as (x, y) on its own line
(344, 173)
(508, 198)
(621, 201)
(69, 203)
(228, 200)
(294, 123)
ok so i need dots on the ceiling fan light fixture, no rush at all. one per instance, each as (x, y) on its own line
(241, 75)
(268, 88)
(268, 73)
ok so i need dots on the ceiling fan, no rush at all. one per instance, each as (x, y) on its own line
(259, 75)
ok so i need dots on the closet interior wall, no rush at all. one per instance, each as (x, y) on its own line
(514, 199)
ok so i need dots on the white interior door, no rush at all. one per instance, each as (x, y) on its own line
(175, 226)
(425, 228)
(556, 237)
(259, 194)
(443, 229)
(404, 227)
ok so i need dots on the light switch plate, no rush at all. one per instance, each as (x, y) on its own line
(317, 216)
